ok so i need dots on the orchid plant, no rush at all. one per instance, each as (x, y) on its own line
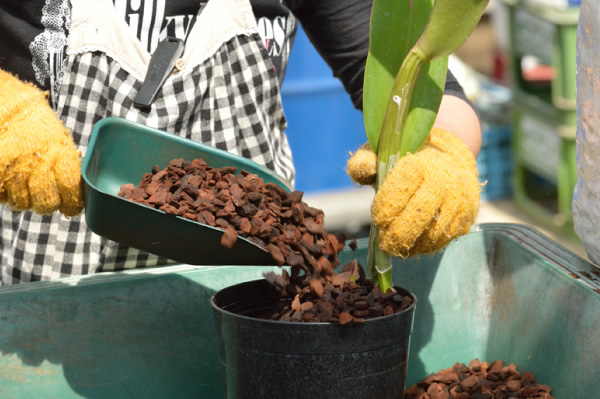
(410, 41)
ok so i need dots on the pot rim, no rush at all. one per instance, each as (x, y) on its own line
(379, 320)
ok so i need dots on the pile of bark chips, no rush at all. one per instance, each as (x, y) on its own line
(479, 380)
(242, 204)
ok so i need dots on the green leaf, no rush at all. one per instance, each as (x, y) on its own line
(396, 25)
(451, 22)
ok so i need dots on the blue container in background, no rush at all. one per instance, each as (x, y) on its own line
(323, 125)
(495, 162)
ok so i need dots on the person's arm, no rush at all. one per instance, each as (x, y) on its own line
(340, 33)
(339, 30)
(432, 196)
(458, 117)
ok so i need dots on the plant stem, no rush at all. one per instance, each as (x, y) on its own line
(391, 148)
(392, 143)
(376, 260)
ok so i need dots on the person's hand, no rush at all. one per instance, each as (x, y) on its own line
(40, 167)
(428, 199)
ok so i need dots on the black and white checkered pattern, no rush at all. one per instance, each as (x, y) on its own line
(231, 101)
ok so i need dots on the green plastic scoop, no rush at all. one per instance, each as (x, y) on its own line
(120, 152)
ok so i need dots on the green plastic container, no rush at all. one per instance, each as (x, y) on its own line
(549, 34)
(121, 152)
(544, 115)
(544, 147)
(501, 292)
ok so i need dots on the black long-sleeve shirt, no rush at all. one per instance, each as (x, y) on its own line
(339, 30)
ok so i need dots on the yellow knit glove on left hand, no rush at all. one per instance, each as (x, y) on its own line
(428, 199)
(40, 167)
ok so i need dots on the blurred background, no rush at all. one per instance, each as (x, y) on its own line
(518, 68)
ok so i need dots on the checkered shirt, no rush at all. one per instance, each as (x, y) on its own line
(231, 101)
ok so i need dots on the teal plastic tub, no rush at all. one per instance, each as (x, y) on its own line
(501, 292)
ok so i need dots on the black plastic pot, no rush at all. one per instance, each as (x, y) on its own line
(276, 359)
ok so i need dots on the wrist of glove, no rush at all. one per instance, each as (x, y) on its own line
(40, 168)
(428, 199)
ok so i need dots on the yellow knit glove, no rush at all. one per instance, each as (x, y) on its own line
(40, 167)
(428, 199)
